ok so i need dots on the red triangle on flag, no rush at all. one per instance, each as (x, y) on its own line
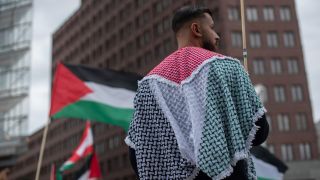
(94, 167)
(67, 89)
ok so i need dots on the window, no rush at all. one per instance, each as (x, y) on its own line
(111, 144)
(288, 39)
(158, 29)
(272, 39)
(233, 14)
(100, 148)
(296, 92)
(146, 16)
(286, 152)
(142, 19)
(258, 67)
(305, 151)
(285, 13)
(252, 14)
(167, 46)
(269, 122)
(236, 39)
(279, 94)
(144, 39)
(162, 26)
(116, 141)
(166, 23)
(293, 67)
(283, 122)
(255, 40)
(160, 6)
(140, 3)
(301, 121)
(268, 13)
(276, 67)
(271, 148)
(159, 51)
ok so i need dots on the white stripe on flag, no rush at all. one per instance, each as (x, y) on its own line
(266, 170)
(116, 97)
(85, 176)
(87, 142)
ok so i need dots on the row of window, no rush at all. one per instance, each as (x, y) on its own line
(108, 144)
(287, 151)
(141, 41)
(276, 66)
(268, 13)
(279, 93)
(284, 125)
(256, 42)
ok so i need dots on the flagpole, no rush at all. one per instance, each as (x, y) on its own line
(43, 143)
(244, 39)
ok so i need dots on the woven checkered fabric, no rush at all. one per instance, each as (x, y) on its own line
(156, 147)
(203, 117)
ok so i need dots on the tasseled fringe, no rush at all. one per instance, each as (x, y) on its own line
(239, 155)
(129, 143)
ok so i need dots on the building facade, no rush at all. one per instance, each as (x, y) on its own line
(15, 43)
(135, 35)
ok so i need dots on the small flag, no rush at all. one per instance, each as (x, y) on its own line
(93, 94)
(268, 167)
(90, 170)
(83, 150)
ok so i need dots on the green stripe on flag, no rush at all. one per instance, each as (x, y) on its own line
(89, 110)
(261, 178)
(66, 167)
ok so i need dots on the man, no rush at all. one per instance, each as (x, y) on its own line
(196, 113)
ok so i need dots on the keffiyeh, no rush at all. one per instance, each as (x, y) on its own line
(195, 111)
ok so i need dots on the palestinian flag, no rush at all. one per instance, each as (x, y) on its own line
(84, 149)
(93, 94)
(268, 167)
(90, 170)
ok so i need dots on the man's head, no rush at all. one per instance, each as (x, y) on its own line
(194, 26)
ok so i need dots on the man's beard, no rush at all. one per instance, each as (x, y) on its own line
(209, 46)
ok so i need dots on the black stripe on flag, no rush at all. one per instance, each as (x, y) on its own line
(107, 77)
(84, 168)
(264, 155)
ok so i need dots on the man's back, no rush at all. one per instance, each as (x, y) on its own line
(195, 111)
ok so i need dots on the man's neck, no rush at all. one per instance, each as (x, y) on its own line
(187, 43)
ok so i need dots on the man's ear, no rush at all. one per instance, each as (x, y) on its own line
(196, 30)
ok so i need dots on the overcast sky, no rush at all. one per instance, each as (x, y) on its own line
(50, 14)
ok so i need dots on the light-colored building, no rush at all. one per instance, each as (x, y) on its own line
(15, 43)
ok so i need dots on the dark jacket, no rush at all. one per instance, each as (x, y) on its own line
(240, 170)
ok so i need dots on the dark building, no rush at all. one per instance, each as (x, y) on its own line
(135, 35)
